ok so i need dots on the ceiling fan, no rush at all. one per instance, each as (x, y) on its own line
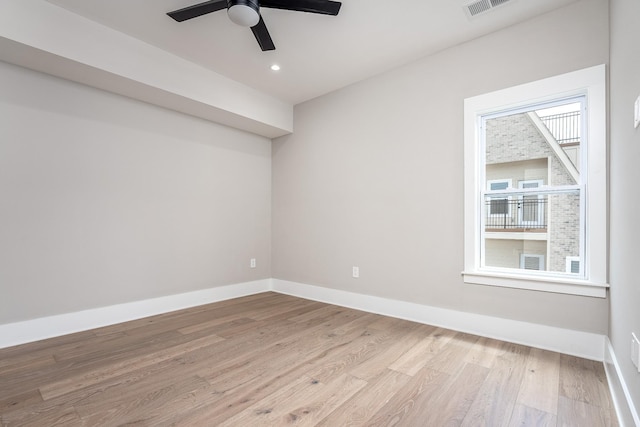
(247, 13)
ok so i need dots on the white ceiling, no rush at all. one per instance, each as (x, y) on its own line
(317, 53)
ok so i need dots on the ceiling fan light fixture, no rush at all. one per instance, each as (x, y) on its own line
(243, 12)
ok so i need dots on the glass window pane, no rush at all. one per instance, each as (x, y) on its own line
(540, 147)
(542, 227)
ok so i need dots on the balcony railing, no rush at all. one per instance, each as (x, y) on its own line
(518, 213)
(565, 127)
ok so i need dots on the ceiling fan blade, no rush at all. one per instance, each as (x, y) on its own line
(262, 36)
(198, 10)
(326, 7)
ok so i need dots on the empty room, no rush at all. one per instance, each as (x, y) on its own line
(319, 213)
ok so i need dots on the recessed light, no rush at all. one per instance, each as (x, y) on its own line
(275, 67)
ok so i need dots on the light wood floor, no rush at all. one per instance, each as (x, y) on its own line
(276, 360)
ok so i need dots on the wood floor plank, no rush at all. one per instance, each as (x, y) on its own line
(37, 348)
(233, 393)
(386, 354)
(20, 401)
(451, 405)
(451, 357)
(574, 413)
(363, 344)
(583, 380)
(304, 404)
(208, 324)
(8, 365)
(540, 385)
(302, 348)
(289, 309)
(415, 358)
(126, 407)
(485, 352)
(63, 415)
(525, 416)
(397, 411)
(77, 382)
(272, 359)
(367, 401)
(496, 397)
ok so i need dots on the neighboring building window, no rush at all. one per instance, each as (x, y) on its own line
(523, 235)
(573, 265)
(532, 262)
(499, 206)
(532, 208)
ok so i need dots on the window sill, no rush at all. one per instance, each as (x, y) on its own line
(543, 284)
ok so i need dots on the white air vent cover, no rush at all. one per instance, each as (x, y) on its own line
(481, 6)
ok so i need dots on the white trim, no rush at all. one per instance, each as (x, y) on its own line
(538, 283)
(577, 343)
(514, 235)
(625, 409)
(590, 82)
(52, 326)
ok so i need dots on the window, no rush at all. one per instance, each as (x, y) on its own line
(532, 262)
(499, 206)
(573, 265)
(535, 185)
(531, 208)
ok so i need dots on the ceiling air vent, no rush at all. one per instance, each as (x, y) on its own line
(481, 6)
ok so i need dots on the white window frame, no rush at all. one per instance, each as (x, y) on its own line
(589, 82)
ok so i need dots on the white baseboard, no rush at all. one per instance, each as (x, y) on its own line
(625, 409)
(576, 343)
(582, 344)
(52, 326)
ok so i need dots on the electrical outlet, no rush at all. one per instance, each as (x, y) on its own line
(636, 113)
(356, 272)
(252, 263)
(635, 351)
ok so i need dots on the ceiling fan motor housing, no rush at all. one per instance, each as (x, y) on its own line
(244, 12)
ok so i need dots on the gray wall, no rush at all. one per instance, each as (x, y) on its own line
(624, 193)
(108, 200)
(373, 174)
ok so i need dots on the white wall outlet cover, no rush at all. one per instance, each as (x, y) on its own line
(252, 263)
(636, 113)
(356, 272)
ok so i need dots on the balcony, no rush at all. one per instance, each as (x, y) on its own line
(522, 214)
(564, 127)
